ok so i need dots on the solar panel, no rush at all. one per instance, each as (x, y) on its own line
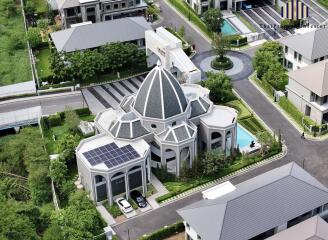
(111, 155)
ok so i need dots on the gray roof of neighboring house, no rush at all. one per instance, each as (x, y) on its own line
(160, 95)
(257, 205)
(313, 77)
(128, 127)
(178, 133)
(314, 228)
(311, 45)
(98, 34)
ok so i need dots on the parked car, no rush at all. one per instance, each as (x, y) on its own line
(139, 199)
(124, 205)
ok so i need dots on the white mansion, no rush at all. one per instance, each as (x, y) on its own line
(164, 123)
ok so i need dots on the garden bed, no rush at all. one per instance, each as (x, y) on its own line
(221, 64)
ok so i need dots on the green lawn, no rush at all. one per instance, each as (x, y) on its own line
(41, 5)
(243, 112)
(324, 3)
(14, 59)
(42, 63)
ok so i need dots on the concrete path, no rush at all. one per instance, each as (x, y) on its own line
(105, 215)
(161, 190)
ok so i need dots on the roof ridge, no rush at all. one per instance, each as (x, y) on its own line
(69, 37)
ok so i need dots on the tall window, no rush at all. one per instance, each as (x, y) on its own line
(299, 57)
(295, 55)
(286, 49)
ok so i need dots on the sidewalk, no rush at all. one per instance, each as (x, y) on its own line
(161, 190)
(105, 215)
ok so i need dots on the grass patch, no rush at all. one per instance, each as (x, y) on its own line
(14, 59)
(244, 21)
(189, 13)
(151, 190)
(41, 6)
(324, 3)
(42, 63)
(252, 125)
(243, 111)
(114, 210)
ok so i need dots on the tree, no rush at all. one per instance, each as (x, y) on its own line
(34, 37)
(276, 76)
(262, 62)
(59, 67)
(66, 146)
(273, 47)
(222, 45)
(220, 87)
(213, 19)
(43, 24)
(79, 220)
(266, 141)
(212, 161)
(72, 120)
(58, 171)
(54, 232)
(182, 31)
(30, 9)
(9, 7)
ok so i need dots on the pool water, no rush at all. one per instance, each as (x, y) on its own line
(244, 138)
(227, 29)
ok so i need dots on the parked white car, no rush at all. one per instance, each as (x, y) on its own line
(124, 205)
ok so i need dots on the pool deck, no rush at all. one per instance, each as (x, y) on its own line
(235, 22)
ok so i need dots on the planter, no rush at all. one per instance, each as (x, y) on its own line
(224, 64)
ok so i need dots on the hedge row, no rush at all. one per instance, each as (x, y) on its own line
(58, 118)
(165, 232)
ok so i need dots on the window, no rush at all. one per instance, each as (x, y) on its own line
(299, 57)
(123, 5)
(130, 3)
(70, 12)
(322, 58)
(115, 6)
(188, 226)
(137, 1)
(174, 123)
(325, 99)
(295, 55)
(90, 10)
(153, 126)
(107, 17)
(286, 49)
(315, 60)
(107, 7)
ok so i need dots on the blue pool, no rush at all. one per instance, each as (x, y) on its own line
(244, 138)
(227, 29)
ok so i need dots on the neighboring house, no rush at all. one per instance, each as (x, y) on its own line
(77, 11)
(91, 36)
(201, 6)
(257, 208)
(304, 49)
(308, 91)
(314, 228)
(164, 123)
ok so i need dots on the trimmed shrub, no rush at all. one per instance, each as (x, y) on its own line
(54, 120)
(222, 65)
(237, 40)
(165, 232)
(83, 111)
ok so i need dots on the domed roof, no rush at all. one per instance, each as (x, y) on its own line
(160, 95)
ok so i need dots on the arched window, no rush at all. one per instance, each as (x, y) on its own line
(215, 135)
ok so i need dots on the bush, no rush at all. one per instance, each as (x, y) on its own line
(54, 120)
(165, 232)
(219, 64)
(288, 24)
(83, 111)
(237, 40)
(114, 210)
(34, 37)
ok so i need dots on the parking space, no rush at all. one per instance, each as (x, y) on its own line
(109, 95)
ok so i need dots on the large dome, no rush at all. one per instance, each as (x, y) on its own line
(160, 95)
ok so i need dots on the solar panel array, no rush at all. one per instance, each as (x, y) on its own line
(111, 155)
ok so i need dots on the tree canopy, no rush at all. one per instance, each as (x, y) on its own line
(213, 19)
(220, 87)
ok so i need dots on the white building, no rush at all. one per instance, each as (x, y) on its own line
(164, 46)
(201, 6)
(308, 91)
(162, 124)
(304, 49)
(259, 207)
(78, 11)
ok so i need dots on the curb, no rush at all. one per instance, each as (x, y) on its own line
(40, 97)
(289, 119)
(227, 177)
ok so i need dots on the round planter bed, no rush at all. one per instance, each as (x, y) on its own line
(224, 64)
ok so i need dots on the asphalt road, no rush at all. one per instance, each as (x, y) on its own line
(49, 104)
(171, 19)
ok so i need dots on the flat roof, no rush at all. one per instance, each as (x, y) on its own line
(140, 146)
(220, 116)
(218, 190)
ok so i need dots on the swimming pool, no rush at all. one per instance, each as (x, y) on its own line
(244, 138)
(227, 29)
